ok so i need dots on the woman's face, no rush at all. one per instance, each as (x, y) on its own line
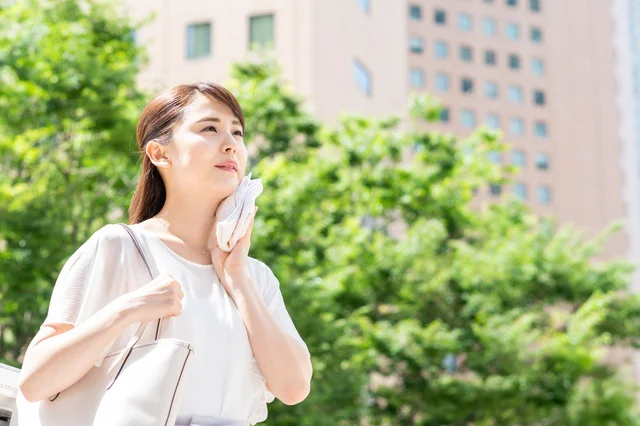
(208, 135)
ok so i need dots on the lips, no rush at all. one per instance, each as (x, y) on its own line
(230, 166)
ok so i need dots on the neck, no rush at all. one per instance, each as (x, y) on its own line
(189, 218)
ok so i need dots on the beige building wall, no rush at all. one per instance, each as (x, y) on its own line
(317, 43)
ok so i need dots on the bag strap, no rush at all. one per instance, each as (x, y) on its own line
(122, 359)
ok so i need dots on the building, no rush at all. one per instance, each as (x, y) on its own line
(561, 78)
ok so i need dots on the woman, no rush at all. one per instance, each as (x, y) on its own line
(228, 305)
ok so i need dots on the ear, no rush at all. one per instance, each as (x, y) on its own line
(158, 154)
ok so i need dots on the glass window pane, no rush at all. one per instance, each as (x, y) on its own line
(534, 5)
(198, 41)
(515, 94)
(516, 126)
(490, 57)
(538, 97)
(495, 157)
(362, 77)
(415, 12)
(514, 62)
(416, 44)
(440, 17)
(468, 118)
(464, 22)
(537, 66)
(416, 77)
(492, 121)
(365, 5)
(518, 158)
(541, 129)
(542, 161)
(520, 190)
(536, 35)
(513, 31)
(442, 82)
(495, 189)
(489, 26)
(467, 85)
(441, 49)
(512, 3)
(466, 54)
(491, 89)
(544, 195)
(444, 115)
(261, 30)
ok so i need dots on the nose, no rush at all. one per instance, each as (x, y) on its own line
(230, 144)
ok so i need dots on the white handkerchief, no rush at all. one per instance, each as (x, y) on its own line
(235, 212)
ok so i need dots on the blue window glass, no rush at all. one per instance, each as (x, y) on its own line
(441, 49)
(513, 31)
(520, 190)
(491, 89)
(489, 26)
(465, 22)
(541, 129)
(544, 195)
(442, 82)
(416, 77)
(362, 77)
(518, 158)
(516, 126)
(198, 40)
(468, 118)
(492, 121)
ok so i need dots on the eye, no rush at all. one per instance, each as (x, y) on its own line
(238, 132)
(210, 127)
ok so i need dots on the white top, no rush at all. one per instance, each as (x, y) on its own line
(224, 379)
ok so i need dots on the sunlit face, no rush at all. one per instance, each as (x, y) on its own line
(209, 134)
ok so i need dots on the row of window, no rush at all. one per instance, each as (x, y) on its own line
(466, 54)
(199, 36)
(490, 26)
(515, 93)
(415, 11)
(520, 190)
(515, 126)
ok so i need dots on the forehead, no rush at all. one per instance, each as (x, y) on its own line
(203, 106)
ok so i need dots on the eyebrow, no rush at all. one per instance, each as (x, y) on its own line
(216, 119)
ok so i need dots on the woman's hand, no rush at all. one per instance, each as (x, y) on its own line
(232, 267)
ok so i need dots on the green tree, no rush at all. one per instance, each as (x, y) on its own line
(465, 317)
(69, 101)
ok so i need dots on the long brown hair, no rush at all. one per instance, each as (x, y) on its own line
(157, 121)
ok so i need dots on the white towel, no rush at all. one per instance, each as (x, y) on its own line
(235, 212)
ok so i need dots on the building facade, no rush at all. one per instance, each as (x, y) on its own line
(561, 78)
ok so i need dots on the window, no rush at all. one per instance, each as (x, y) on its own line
(516, 126)
(198, 41)
(538, 97)
(513, 31)
(495, 189)
(491, 89)
(362, 77)
(490, 57)
(492, 121)
(536, 35)
(534, 5)
(520, 190)
(416, 44)
(444, 115)
(495, 157)
(468, 118)
(544, 195)
(442, 82)
(415, 12)
(464, 22)
(440, 17)
(261, 30)
(518, 158)
(514, 62)
(515, 94)
(365, 5)
(467, 85)
(416, 77)
(489, 26)
(466, 54)
(542, 161)
(541, 129)
(512, 3)
(488, 1)
(441, 49)
(537, 66)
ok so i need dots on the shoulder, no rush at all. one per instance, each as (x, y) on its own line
(111, 238)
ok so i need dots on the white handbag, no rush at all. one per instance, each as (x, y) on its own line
(140, 385)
